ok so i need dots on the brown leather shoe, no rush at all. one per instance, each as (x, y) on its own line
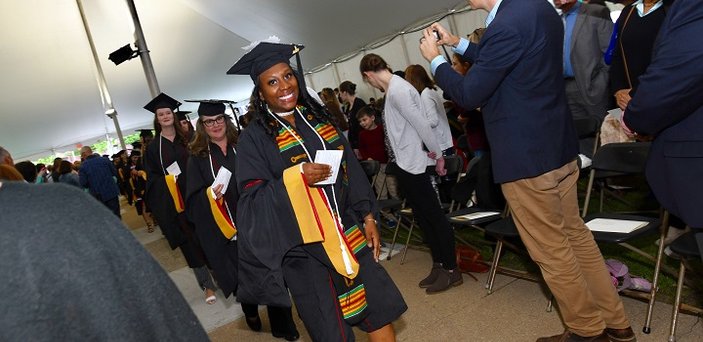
(621, 335)
(568, 336)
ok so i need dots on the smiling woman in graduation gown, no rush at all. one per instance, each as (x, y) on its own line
(165, 163)
(212, 208)
(311, 240)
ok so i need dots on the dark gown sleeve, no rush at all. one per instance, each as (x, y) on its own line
(265, 221)
(219, 251)
(158, 198)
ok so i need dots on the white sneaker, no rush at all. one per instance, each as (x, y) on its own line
(672, 235)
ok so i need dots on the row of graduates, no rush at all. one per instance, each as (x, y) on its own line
(272, 235)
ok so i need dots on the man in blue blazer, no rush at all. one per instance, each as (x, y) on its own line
(669, 107)
(517, 80)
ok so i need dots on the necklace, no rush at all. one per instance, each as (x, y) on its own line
(284, 114)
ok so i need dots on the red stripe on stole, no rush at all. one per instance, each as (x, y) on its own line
(312, 205)
(223, 210)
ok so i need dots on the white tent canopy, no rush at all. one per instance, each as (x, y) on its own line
(50, 99)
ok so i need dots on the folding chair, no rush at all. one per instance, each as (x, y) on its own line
(386, 207)
(453, 165)
(588, 127)
(617, 160)
(613, 161)
(687, 248)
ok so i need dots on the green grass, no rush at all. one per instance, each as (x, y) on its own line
(638, 200)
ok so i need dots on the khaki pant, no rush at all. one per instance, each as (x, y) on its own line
(546, 213)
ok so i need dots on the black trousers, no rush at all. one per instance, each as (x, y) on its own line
(429, 216)
(114, 206)
(281, 318)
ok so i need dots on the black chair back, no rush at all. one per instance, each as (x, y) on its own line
(630, 158)
(587, 127)
(371, 167)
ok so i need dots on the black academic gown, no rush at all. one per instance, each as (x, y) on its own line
(157, 195)
(174, 225)
(219, 251)
(267, 225)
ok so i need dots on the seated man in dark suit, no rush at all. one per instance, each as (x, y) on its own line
(517, 81)
(668, 106)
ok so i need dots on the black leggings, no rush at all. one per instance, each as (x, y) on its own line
(429, 216)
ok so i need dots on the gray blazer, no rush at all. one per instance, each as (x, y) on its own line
(589, 41)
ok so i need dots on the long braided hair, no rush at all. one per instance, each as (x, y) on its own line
(262, 117)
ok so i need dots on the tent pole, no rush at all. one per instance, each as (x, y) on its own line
(143, 51)
(100, 77)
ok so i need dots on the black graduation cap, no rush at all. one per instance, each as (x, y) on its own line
(183, 115)
(145, 133)
(211, 107)
(136, 145)
(263, 56)
(135, 153)
(162, 101)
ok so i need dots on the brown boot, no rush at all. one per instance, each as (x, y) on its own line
(432, 277)
(621, 335)
(568, 336)
(445, 280)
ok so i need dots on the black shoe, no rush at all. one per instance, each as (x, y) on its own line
(445, 280)
(254, 323)
(432, 277)
(293, 336)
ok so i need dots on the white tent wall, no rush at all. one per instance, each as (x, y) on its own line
(399, 52)
(49, 96)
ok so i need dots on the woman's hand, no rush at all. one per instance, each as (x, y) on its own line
(217, 191)
(439, 168)
(373, 240)
(622, 98)
(314, 172)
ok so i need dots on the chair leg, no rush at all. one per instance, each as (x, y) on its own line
(395, 236)
(655, 280)
(677, 302)
(407, 241)
(494, 266)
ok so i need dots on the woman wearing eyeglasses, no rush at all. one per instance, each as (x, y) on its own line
(211, 202)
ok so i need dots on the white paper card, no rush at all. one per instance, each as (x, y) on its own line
(616, 113)
(476, 215)
(332, 158)
(174, 169)
(223, 177)
(615, 226)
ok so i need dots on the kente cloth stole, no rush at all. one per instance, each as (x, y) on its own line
(219, 211)
(316, 222)
(175, 193)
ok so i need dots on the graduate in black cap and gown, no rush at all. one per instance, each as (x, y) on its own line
(165, 164)
(319, 242)
(186, 125)
(212, 209)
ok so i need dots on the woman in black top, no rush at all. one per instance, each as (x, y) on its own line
(638, 27)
